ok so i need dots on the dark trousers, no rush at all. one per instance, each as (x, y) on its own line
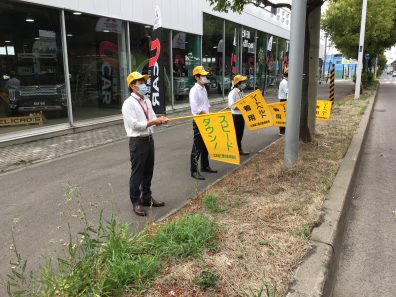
(239, 124)
(198, 150)
(142, 167)
(282, 130)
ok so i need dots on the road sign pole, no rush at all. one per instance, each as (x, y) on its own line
(360, 54)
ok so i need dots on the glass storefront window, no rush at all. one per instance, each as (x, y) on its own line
(32, 85)
(248, 53)
(271, 64)
(186, 54)
(97, 64)
(261, 68)
(212, 60)
(232, 50)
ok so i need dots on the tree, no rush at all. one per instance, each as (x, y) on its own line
(341, 21)
(307, 122)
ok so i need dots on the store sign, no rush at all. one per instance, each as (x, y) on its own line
(107, 51)
(179, 41)
(105, 24)
(245, 41)
(156, 67)
(19, 121)
(269, 46)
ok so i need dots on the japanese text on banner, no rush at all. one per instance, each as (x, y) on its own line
(255, 111)
(278, 111)
(218, 133)
(323, 110)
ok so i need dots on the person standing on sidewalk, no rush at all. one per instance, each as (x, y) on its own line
(282, 95)
(199, 104)
(139, 120)
(236, 94)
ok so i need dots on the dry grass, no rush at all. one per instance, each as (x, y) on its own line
(271, 211)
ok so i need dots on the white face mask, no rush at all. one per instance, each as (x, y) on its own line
(204, 80)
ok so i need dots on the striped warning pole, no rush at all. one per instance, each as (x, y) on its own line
(332, 76)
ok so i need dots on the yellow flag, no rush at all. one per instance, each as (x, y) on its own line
(255, 111)
(218, 133)
(278, 111)
(323, 110)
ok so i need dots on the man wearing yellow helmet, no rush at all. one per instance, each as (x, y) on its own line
(236, 94)
(199, 104)
(139, 120)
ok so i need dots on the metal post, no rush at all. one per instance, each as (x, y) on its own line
(66, 69)
(255, 60)
(171, 68)
(332, 83)
(324, 59)
(128, 41)
(223, 64)
(360, 54)
(297, 39)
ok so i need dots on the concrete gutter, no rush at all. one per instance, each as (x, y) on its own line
(315, 276)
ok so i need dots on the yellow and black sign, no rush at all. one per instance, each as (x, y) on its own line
(218, 133)
(278, 111)
(323, 109)
(255, 111)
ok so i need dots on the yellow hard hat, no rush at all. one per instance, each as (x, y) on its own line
(199, 70)
(135, 76)
(238, 78)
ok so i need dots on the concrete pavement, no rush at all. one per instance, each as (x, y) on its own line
(368, 259)
(35, 194)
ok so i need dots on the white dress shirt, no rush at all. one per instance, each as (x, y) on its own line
(235, 95)
(135, 120)
(199, 101)
(283, 89)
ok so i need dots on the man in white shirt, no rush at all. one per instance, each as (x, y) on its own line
(139, 121)
(235, 95)
(282, 95)
(199, 103)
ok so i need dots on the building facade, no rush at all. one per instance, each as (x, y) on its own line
(96, 43)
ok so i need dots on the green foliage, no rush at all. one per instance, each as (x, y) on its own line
(109, 260)
(341, 21)
(207, 279)
(303, 231)
(266, 291)
(210, 202)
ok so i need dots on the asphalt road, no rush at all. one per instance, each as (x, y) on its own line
(368, 261)
(35, 195)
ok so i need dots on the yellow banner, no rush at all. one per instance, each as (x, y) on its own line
(278, 111)
(255, 111)
(218, 133)
(323, 110)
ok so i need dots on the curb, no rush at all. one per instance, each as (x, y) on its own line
(315, 276)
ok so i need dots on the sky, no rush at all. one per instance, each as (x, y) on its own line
(391, 54)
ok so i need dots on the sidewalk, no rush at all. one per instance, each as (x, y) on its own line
(368, 260)
(17, 156)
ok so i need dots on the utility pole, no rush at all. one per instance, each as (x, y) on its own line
(297, 39)
(360, 54)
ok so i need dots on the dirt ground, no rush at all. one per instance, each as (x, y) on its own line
(266, 213)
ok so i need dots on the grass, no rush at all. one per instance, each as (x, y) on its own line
(110, 261)
(207, 279)
(211, 203)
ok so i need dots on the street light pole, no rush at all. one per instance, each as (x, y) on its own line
(297, 39)
(360, 54)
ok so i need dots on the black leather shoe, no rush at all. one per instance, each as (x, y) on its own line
(153, 203)
(208, 169)
(139, 210)
(197, 175)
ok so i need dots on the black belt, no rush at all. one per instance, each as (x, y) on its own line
(142, 138)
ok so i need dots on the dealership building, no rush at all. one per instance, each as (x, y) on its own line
(96, 43)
